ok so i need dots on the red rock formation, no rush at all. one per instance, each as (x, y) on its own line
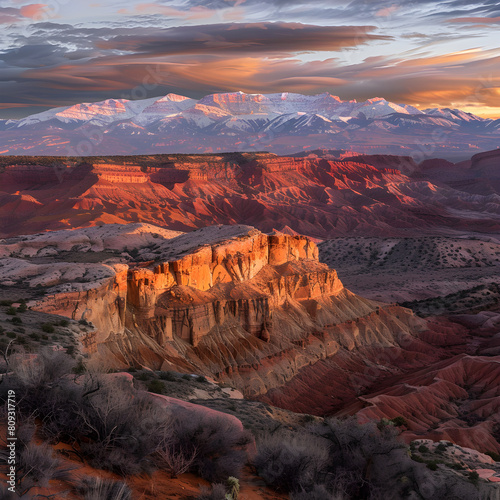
(366, 195)
(253, 310)
(456, 400)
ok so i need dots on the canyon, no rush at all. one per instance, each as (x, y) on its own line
(260, 313)
(321, 195)
(230, 302)
(327, 283)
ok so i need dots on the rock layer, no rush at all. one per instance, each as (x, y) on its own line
(322, 198)
(232, 303)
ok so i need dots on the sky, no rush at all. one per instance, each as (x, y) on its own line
(427, 54)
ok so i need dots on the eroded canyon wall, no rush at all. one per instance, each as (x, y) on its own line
(252, 310)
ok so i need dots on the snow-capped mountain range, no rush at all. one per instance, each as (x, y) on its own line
(281, 123)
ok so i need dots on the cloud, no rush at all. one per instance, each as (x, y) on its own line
(9, 15)
(197, 12)
(467, 78)
(475, 20)
(387, 11)
(35, 11)
(60, 64)
(245, 38)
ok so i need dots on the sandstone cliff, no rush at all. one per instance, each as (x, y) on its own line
(229, 302)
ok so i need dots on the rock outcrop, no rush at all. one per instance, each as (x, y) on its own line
(226, 301)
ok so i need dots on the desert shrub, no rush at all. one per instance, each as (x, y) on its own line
(423, 449)
(216, 492)
(16, 320)
(63, 322)
(399, 421)
(144, 376)
(22, 308)
(474, 477)
(97, 488)
(432, 465)
(36, 466)
(169, 377)
(291, 462)
(5, 494)
(48, 328)
(80, 368)
(364, 459)
(318, 492)
(122, 427)
(233, 487)
(174, 457)
(115, 425)
(219, 444)
(156, 386)
(39, 371)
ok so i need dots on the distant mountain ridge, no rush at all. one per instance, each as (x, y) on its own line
(282, 123)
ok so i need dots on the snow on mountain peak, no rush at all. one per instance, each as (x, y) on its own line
(173, 98)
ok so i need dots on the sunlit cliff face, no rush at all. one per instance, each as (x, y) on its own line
(426, 54)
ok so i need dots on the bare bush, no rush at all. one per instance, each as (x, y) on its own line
(97, 488)
(116, 427)
(291, 462)
(5, 494)
(219, 444)
(37, 466)
(42, 369)
(216, 492)
(173, 457)
(122, 427)
(318, 492)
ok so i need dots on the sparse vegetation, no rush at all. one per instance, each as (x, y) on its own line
(96, 488)
(290, 462)
(48, 328)
(216, 492)
(156, 386)
(399, 421)
(114, 426)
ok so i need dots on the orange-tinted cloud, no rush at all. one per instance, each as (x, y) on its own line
(198, 12)
(475, 20)
(35, 11)
(252, 57)
(387, 11)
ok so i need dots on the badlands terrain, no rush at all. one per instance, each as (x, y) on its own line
(318, 195)
(277, 290)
